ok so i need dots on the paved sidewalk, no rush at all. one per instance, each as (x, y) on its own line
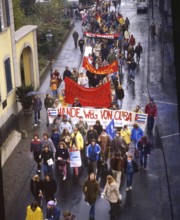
(19, 166)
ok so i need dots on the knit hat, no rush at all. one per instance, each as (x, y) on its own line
(51, 203)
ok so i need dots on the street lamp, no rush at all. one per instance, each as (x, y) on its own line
(49, 40)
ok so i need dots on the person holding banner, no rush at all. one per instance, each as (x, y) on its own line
(77, 143)
(62, 157)
(93, 151)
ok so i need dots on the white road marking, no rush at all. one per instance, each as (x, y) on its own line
(170, 135)
(169, 103)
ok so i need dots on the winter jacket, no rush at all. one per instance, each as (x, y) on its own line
(79, 141)
(35, 187)
(117, 163)
(49, 187)
(48, 102)
(53, 213)
(92, 135)
(82, 127)
(136, 134)
(151, 110)
(98, 128)
(63, 153)
(55, 137)
(104, 142)
(91, 191)
(48, 143)
(134, 164)
(119, 93)
(45, 156)
(111, 192)
(37, 104)
(126, 135)
(93, 152)
(118, 145)
(143, 146)
(36, 145)
(64, 125)
(34, 215)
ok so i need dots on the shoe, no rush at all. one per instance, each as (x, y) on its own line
(130, 188)
(64, 177)
(35, 125)
(127, 189)
(39, 120)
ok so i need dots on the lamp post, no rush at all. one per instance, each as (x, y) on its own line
(49, 40)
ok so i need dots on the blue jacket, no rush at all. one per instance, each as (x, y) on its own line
(93, 152)
(53, 214)
(136, 134)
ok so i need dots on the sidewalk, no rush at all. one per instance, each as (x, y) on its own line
(18, 167)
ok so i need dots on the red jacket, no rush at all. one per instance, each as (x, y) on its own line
(151, 110)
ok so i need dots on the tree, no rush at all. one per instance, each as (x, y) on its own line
(19, 16)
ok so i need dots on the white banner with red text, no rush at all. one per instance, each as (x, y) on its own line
(90, 115)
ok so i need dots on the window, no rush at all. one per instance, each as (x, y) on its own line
(7, 65)
(4, 14)
(1, 17)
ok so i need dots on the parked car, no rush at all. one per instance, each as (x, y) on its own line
(142, 6)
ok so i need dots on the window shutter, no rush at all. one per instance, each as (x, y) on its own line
(7, 13)
(8, 75)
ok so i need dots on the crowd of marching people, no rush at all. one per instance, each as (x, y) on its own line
(98, 152)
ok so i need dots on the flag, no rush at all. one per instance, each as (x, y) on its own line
(110, 129)
(140, 118)
(52, 112)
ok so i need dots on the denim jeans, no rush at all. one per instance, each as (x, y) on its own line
(92, 211)
(129, 178)
(48, 170)
(150, 123)
(36, 116)
(143, 159)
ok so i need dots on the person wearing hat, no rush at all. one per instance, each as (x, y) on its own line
(52, 211)
(67, 215)
(151, 111)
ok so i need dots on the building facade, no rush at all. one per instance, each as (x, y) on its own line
(18, 66)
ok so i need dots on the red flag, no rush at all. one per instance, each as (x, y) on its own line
(99, 97)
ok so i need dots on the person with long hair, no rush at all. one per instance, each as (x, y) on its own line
(33, 212)
(112, 194)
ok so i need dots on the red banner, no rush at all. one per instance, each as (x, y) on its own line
(111, 68)
(104, 36)
(99, 97)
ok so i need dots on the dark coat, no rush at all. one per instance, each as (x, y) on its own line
(117, 163)
(119, 93)
(118, 145)
(92, 134)
(45, 156)
(134, 164)
(67, 73)
(49, 187)
(91, 191)
(53, 213)
(143, 147)
(35, 187)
